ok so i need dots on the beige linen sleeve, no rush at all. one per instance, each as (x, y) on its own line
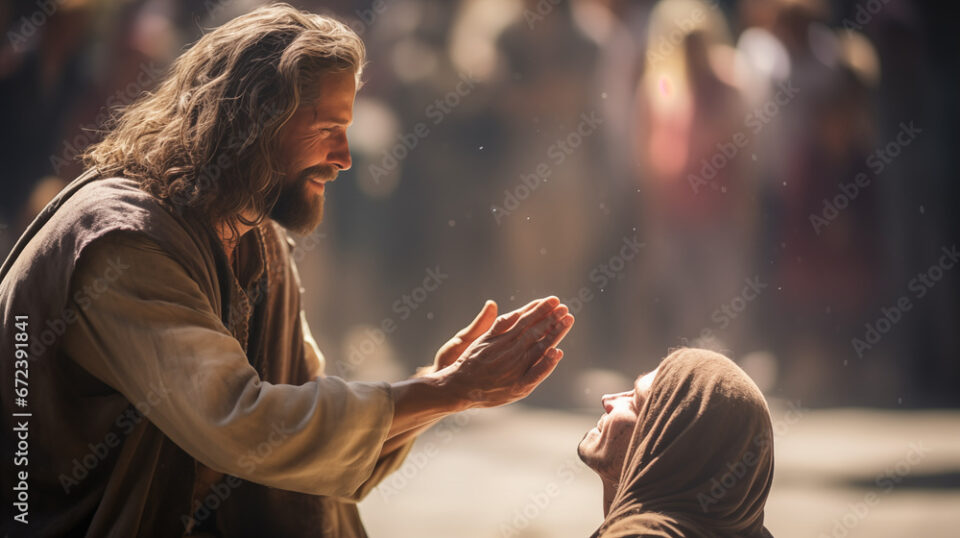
(148, 331)
(385, 466)
(316, 361)
(388, 463)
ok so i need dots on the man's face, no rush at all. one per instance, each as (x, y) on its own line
(604, 448)
(313, 150)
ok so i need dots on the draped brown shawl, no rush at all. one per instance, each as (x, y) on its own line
(700, 462)
(143, 488)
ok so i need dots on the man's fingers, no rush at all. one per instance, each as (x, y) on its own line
(504, 323)
(512, 317)
(540, 328)
(552, 335)
(536, 314)
(531, 305)
(543, 368)
(557, 332)
(519, 312)
(480, 324)
(529, 308)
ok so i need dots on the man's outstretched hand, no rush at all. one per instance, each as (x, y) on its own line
(498, 360)
(493, 361)
(455, 347)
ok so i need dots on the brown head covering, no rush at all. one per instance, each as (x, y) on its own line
(700, 462)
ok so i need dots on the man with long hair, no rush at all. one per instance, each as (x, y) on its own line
(168, 382)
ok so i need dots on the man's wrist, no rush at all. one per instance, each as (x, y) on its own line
(456, 397)
(421, 400)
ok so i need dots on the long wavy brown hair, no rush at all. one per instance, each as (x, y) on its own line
(206, 139)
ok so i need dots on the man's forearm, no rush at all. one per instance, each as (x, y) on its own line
(418, 403)
(396, 441)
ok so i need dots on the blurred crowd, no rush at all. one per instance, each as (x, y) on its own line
(762, 177)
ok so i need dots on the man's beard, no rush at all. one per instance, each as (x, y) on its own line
(297, 208)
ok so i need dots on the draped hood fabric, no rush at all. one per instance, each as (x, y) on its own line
(700, 462)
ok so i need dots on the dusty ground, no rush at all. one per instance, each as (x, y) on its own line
(514, 472)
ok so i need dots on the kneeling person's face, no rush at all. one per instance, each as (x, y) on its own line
(604, 448)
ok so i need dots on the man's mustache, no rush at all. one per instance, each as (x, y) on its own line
(321, 172)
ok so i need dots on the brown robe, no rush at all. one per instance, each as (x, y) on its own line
(97, 466)
(700, 462)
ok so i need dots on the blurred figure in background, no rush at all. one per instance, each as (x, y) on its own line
(821, 138)
(698, 203)
(547, 209)
(63, 67)
(536, 66)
